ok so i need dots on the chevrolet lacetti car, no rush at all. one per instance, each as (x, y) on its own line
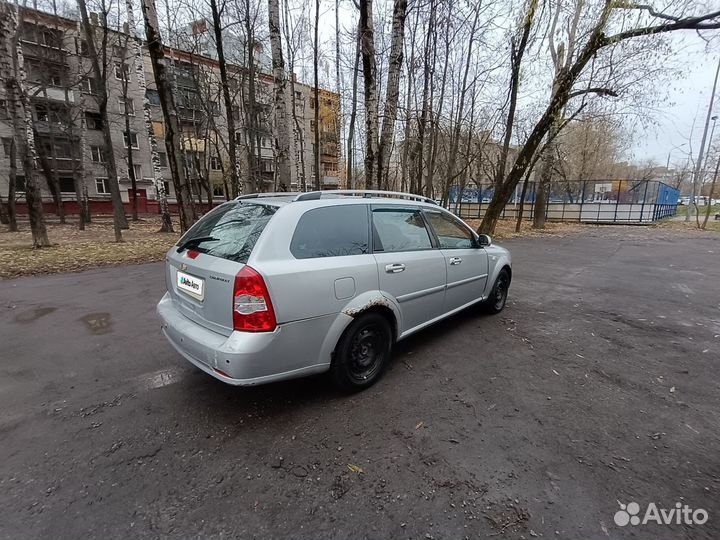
(274, 286)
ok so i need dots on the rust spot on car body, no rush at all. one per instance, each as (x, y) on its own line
(378, 301)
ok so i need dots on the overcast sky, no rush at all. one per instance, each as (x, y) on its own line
(683, 118)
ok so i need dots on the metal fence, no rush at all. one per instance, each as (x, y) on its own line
(588, 201)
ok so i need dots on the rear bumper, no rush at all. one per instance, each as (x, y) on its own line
(247, 358)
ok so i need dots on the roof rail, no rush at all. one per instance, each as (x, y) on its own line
(270, 194)
(314, 195)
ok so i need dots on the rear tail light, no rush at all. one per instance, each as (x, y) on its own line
(252, 309)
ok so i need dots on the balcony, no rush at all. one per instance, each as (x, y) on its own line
(44, 127)
(53, 93)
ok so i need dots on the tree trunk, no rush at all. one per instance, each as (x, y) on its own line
(316, 94)
(416, 185)
(282, 126)
(353, 116)
(100, 75)
(710, 195)
(12, 72)
(166, 220)
(225, 84)
(367, 40)
(172, 126)
(251, 112)
(393, 92)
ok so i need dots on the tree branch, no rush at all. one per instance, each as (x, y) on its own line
(649, 9)
(688, 23)
(600, 91)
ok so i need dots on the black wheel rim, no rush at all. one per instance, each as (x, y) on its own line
(366, 352)
(501, 290)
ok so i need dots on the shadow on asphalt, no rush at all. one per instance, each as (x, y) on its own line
(210, 396)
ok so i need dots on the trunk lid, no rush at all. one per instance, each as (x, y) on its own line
(201, 268)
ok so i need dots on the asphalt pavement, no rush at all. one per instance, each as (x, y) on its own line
(599, 385)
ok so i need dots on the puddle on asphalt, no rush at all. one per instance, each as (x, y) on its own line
(33, 315)
(98, 323)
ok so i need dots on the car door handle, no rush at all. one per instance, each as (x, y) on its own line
(455, 260)
(394, 268)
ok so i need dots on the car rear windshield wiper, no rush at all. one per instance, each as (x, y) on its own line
(194, 242)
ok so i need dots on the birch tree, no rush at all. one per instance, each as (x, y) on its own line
(367, 48)
(282, 128)
(393, 92)
(14, 77)
(172, 126)
(166, 220)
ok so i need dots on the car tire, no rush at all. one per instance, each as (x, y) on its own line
(495, 303)
(362, 353)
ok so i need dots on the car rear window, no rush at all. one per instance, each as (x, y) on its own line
(331, 231)
(229, 231)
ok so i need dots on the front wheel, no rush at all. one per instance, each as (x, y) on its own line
(498, 296)
(362, 353)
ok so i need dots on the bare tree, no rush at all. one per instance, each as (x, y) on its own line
(99, 63)
(316, 95)
(225, 84)
(393, 92)
(367, 48)
(166, 220)
(12, 69)
(172, 126)
(282, 127)
(597, 40)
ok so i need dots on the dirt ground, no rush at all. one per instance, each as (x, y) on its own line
(598, 385)
(74, 250)
(95, 247)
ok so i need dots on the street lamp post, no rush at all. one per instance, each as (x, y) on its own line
(692, 207)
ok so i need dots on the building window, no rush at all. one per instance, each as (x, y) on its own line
(130, 106)
(153, 97)
(67, 184)
(101, 185)
(4, 113)
(218, 190)
(7, 144)
(162, 158)
(122, 72)
(215, 164)
(20, 183)
(236, 113)
(88, 85)
(93, 120)
(51, 38)
(55, 79)
(82, 48)
(312, 126)
(97, 154)
(138, 172)
(166, 185)
(312, 103)
(131, 140)
(298, 95)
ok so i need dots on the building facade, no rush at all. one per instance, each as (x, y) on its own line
(67, 126)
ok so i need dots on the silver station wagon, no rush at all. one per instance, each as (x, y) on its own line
(275, 286)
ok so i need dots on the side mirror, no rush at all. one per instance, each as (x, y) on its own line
(484, 240)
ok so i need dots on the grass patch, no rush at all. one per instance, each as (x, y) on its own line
(75, 250)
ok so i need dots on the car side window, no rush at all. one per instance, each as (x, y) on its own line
(450, 233)
(331, 231)
(399, 229)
